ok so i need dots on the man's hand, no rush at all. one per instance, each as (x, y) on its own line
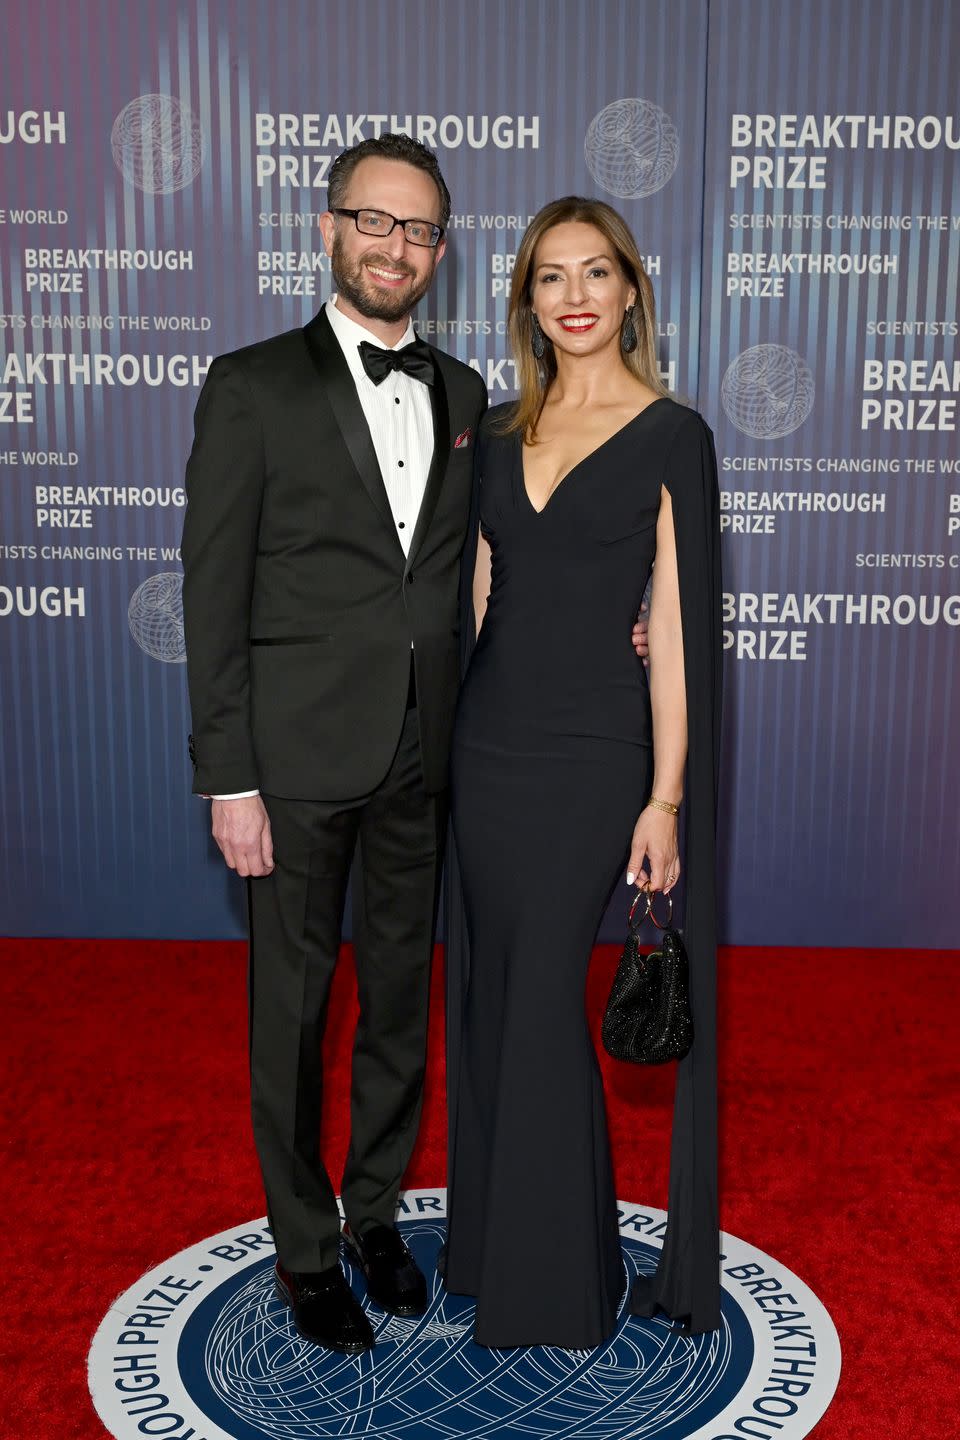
(241, 828)
(639, 634)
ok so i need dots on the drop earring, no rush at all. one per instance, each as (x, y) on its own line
(537, 341)
(628, 335)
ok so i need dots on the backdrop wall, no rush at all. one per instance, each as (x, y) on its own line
(791, 173)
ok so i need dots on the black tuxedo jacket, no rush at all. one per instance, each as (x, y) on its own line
(299, 605)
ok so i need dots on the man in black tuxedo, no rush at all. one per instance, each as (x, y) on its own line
(328, 492)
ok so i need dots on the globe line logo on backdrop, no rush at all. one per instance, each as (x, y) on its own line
(158, 144)
(201, 1345)
(631, 148)
(155, 617)
(767, 391)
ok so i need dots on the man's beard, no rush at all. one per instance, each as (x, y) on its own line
(375, 304)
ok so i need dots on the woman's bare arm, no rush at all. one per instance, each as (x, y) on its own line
(655, 833)
(668, 696)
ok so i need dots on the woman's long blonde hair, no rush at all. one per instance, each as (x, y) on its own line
(535, 376)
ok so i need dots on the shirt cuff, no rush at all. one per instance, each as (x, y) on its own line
(240, 795)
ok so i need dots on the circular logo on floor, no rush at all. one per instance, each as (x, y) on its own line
(200, 1347)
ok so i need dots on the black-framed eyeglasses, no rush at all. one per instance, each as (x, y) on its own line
(378, 222)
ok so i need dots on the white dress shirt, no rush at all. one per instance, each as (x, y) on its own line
(400, 418)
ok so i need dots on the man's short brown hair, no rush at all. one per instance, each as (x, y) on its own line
(388, 147)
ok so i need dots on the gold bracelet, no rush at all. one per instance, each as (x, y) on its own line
(665, 805)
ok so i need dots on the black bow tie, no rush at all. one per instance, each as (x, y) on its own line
(414, 360)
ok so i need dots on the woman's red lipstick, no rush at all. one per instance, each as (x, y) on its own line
(578, 323)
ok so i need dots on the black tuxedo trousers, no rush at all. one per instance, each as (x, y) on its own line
(301, 614)
(397, 834)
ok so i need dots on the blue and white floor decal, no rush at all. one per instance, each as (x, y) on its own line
(199, 1349)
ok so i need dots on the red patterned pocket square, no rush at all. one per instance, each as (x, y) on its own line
(463, 440)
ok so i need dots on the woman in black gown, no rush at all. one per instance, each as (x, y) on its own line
(567, 761)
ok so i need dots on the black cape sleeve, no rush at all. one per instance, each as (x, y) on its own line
(687, 1281)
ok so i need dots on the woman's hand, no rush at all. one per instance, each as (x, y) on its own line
(638, 635)
(655, 840)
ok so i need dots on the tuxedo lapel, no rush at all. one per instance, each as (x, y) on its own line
(342, 395)
(438, 465)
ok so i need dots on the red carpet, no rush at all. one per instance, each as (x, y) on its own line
(127, 1138)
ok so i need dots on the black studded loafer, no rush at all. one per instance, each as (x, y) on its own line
(395, 1281)
(325, 1309)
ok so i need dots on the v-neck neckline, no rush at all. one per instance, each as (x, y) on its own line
(574, 468)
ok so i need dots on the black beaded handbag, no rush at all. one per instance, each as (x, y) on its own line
(647, 1019)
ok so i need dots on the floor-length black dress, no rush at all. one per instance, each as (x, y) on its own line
(551, 766)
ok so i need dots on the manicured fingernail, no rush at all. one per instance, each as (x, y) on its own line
(630, 877)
